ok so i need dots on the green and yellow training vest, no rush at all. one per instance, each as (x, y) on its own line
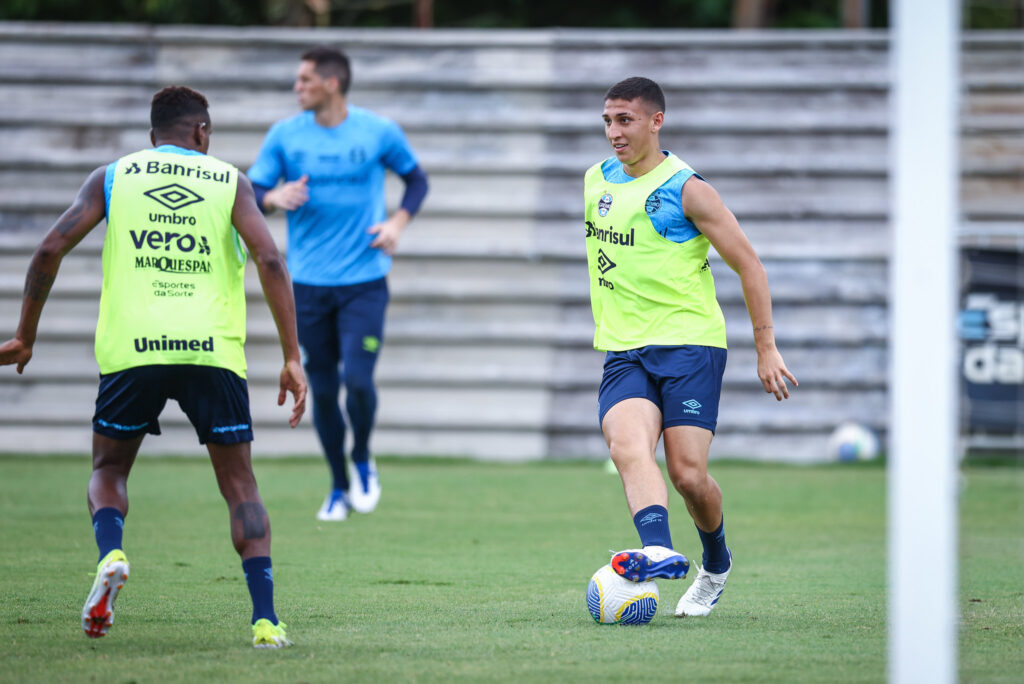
(173, 265)
(644, 288)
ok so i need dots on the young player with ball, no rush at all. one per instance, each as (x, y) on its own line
(650, 221)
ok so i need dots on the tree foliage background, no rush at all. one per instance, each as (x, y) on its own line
(980, 14)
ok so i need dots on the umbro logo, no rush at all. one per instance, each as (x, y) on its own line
(603, 262)
(173, 196)
(692, 406)
(651, 517)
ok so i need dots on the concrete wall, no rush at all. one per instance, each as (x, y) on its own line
(487, 347)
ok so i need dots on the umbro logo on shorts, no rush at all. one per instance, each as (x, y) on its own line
(692, 406)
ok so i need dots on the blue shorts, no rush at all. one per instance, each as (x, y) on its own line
(685, 383)
(340, 324)
(215, 400)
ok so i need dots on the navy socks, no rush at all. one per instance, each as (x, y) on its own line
(108, 525)
(716, 553)
(652, 526)
(260, 578)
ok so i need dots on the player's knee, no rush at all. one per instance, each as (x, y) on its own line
(689, 481)
(360, 385)
(626, 451)
(323, 382)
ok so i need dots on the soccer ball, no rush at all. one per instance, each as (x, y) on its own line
(852, 442)
(614, 600)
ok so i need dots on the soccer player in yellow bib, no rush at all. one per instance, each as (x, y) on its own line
(172, 326)
(650, 221)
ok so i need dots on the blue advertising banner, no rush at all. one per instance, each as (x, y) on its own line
(991, 329)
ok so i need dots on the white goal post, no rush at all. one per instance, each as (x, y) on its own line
(923, 425)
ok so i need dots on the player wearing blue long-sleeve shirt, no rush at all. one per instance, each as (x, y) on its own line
(333, 158)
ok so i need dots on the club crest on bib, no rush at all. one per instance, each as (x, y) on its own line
(653, 204)
(604, 204)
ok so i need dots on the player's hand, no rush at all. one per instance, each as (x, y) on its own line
(293, 380)
(290, 196)
(388, 232)
(772, 371)
(15, 351)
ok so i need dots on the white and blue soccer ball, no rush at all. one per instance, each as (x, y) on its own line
(614, 600)
(853, 442)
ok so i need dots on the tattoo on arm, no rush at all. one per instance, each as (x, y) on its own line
(38, 284)
(70, 218)
(763, 327)
(253, 516)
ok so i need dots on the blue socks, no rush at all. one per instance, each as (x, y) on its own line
(652, 526)
(108, 525)
(716, 553)
(260, 578)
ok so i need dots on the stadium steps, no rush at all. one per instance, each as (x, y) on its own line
(487, 350)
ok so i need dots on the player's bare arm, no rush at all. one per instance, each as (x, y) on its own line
(86, 211)
(703, 206)
(277, 289)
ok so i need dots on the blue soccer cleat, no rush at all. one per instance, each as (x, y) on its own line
(650, 562)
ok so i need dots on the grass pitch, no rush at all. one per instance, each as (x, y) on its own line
(472, 572)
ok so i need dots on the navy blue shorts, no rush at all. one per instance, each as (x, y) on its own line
(340, 324)
(685, 383)
(215, 400)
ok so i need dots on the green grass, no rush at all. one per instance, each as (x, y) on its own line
(475, 572)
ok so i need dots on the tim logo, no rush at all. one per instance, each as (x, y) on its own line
(692, 406)
(134, 168)
(651, 517)
(173, 196)
(603, 262)
(604, 205)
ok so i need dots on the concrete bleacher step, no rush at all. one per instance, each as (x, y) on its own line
(425, 278)
(497, 365)
(463, 238)
(791, 447)
(179, 439)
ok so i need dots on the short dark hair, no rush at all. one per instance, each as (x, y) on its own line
(330, 62)
(638, 87)
(176, 105)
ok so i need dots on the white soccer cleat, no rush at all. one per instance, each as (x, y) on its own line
(98, 612)
(703, 594)
(650, 562)
(335, 507)
(364, 495)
